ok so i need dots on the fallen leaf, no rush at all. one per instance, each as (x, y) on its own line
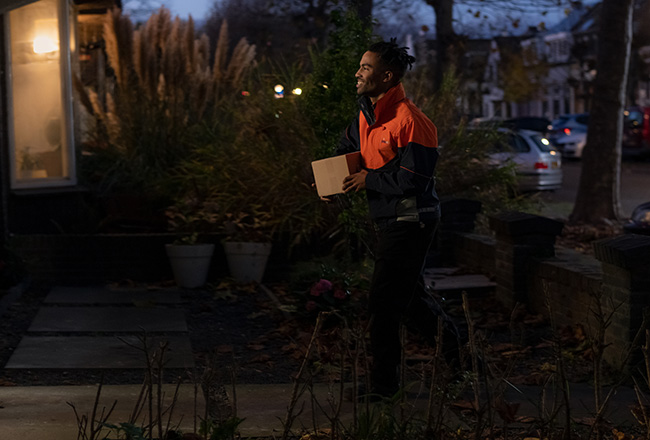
(464, 404)
(588, 421)
(579, 332)
(255, 347)
(621, 435)
(514, 352)
(225, 294)
(503, 346)
(546, 366)
(224, 349)
(526, 419)
(506, 410)
(260, 358)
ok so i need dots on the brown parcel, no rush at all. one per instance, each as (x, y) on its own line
(329, 173)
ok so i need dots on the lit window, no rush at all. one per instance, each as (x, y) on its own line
(40, 112)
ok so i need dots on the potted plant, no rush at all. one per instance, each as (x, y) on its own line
(190, 259)
(247, 244)
(31, 166)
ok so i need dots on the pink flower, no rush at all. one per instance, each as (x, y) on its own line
(340, 294)
(320, 288)
(311, 306)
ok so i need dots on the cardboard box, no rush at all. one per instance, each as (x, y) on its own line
(329, 173)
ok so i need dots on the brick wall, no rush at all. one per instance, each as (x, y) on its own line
(563, 284)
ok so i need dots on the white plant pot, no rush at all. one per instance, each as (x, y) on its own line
(190, 263)
(247, 260)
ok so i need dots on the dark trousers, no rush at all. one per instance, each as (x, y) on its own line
(397, 296)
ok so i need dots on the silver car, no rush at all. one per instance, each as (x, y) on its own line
(537, 163)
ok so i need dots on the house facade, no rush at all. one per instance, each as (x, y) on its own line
(567, 53)
(43, 43)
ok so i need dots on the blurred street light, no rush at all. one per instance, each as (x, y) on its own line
(279, 91)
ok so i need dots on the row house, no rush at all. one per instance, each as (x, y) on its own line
(564, 57)
(568, 51)
(44, 44)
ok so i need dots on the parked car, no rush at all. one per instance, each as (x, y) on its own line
(538, 164)
(636, 131)
(577, 121)
(534, 123)
(569, 134)
(640, 220)
(571, 145)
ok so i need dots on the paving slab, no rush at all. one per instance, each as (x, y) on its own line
(68, 352)
(105, 295)
(108, 319)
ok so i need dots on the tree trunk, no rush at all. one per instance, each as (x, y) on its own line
(445, 38)
(599, 189)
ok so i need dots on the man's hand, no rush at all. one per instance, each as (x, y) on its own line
(324, 199)
(355, 182)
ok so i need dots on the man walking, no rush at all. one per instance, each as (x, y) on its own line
(398, 146)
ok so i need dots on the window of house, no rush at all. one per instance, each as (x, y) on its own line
(39, 95)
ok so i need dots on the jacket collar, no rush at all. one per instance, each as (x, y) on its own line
(392, 96)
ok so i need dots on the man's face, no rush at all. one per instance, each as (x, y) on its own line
(372, 79)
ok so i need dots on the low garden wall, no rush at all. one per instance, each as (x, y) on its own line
(562, 284)
(94, 258)
(98, 258)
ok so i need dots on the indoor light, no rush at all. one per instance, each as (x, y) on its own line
(45, 44)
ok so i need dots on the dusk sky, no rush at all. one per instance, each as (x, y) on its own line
(197, 8)
(413, 15)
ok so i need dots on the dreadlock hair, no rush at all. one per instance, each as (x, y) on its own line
(395, 58)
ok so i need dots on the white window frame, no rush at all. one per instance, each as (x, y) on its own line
(68, 142)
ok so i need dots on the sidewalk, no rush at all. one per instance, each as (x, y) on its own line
(42, 413)
(82, 316)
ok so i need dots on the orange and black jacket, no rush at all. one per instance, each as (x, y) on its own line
(398, 145)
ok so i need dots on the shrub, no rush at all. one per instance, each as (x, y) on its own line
(163, 86)
(463, 169)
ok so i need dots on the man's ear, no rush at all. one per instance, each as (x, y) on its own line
(388, 76)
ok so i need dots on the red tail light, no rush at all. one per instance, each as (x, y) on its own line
(541, 166)
(567, 131)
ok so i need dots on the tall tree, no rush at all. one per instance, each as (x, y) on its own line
(281, 27)
(599, 188)
(445, 38)
(363, 8)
